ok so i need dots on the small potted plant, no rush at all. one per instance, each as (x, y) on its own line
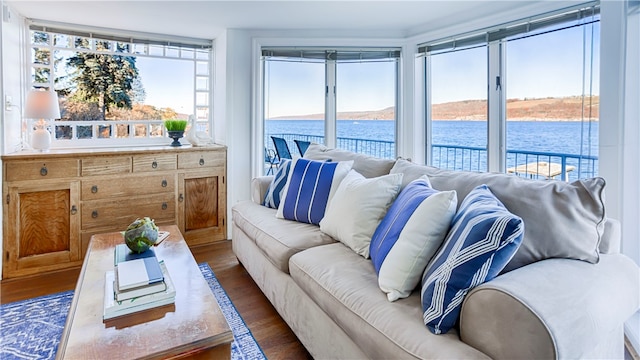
(175, 129)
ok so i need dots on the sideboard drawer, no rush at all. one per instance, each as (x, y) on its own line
(40, 170)
(98, 188)
(119, 214)
(156, 162)
(201, 159)
(106, 165)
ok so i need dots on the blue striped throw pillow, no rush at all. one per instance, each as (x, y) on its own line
(276, 188)
(409, 236)
(309, 188)
(483, 238)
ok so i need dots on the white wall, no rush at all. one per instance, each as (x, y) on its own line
(632, 119)
(2, 10)
(237, 115)
(12, 78)
(619, 130)
(11, 70)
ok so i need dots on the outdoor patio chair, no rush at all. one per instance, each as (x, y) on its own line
(281, 148)
(302, 146)
(271, 160)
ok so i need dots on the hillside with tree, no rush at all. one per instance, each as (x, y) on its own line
(571, 108)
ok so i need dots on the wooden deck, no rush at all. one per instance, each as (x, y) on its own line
(544, 169)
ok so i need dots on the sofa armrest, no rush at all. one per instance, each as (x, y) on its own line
(556, 308)
(611, 237)
(259, 187)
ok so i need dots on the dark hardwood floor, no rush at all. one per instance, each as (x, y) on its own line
(272, 333)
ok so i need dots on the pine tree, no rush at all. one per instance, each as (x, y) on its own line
(104, 78)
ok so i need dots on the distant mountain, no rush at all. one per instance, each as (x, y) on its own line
(548, 109)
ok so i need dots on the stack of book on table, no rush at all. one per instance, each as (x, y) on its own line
(138, 282)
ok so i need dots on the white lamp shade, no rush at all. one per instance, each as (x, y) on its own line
(42, 104)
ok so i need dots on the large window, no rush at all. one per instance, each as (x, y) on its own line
(535, 83)
(552, 104)
(459, 109)
(341, 98)
(365, 104)
(116, 90)
(294, 100)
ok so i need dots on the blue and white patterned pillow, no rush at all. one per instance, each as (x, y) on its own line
(409, 236)
(483, 238)
(276, 188)
(310, 186)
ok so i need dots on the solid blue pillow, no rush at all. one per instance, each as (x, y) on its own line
(275, 189)
(483, 238)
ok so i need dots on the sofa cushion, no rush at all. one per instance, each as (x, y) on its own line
(409, 235)
(310, 186)
(366, 165)
(277, 238)
(358, 207)
(344, 285)
(562, 220)
(276, 187)
(483, 238)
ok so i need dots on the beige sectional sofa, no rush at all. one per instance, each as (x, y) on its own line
(546, 304)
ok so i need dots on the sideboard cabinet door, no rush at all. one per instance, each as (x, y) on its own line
(202, 198)
(44, 226)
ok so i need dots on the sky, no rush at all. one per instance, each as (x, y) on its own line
(297, 88)
(168, 83)
(548, 65)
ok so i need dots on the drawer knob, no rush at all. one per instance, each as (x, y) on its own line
(164, 206)
(164, 183)
(94, 214)
(44, 171)
(181, 198)
(201, 162)
(154, 164)
(74, 210)
(94, 189)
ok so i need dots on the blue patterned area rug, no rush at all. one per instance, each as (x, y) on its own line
(31, 329)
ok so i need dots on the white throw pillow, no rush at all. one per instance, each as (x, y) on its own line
(357, 208)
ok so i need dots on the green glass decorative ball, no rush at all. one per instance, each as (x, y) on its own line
(141, 235)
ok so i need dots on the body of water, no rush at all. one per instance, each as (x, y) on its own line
(548, 136)
(563, 137)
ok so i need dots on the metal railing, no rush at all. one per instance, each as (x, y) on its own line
(378, 148)
(529, 164)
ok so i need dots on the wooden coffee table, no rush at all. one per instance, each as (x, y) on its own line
(192, 327)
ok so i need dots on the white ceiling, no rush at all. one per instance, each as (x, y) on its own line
(206, 19)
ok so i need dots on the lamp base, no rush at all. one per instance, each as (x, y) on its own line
(41, 139)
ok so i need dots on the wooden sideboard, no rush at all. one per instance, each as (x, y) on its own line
(54, 202)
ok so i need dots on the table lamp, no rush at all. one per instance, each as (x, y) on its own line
(42, 105)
